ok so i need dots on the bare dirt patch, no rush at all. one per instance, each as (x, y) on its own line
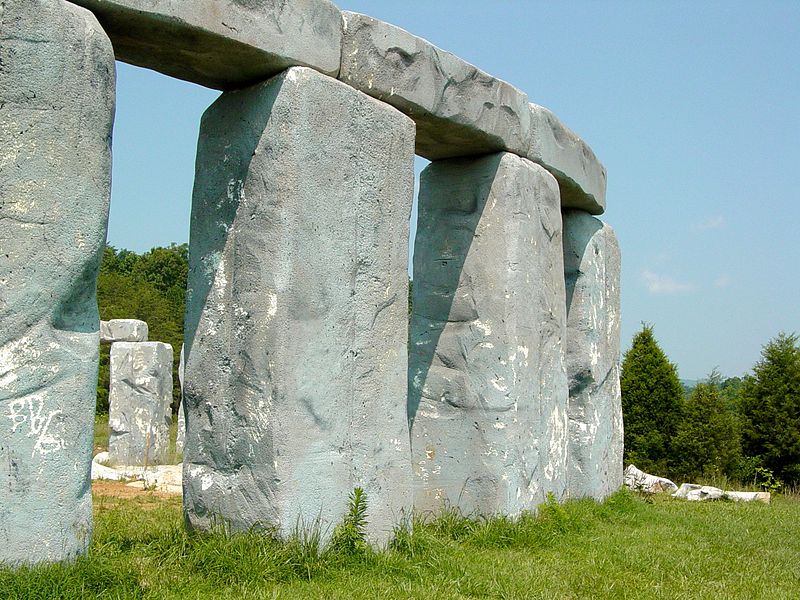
(105, 491)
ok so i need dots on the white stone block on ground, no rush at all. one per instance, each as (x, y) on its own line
(581, 177)
(139, 414)
(296, 331)
(56, 112)
(638, 480)
(592, 273)
(123, 330)
(487, 382)
(223, 45)
(459, 110)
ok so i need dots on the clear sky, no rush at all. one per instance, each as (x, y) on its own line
(694, 108)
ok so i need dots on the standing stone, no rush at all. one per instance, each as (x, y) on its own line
(56, 113)
(139, 414)
(180, 437)
(123, 330)
(296, 330)
(592, 271)
(487, 385)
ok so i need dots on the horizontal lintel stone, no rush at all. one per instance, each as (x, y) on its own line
(222, 45)
(123, 330)
(581, 177)
(459, 110)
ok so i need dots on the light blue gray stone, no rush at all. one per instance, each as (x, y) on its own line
(296, 328)
(581, 177)
(487, 382)
(459, 109)
(180, 436)
(140, 393)
(592, 272)
(123, 330)
(56, 112)
(223, 44)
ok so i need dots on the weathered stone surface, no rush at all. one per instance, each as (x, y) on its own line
(139, 414)
(581, 177)
(180, 437)
(459, 110)
(592, 271)
(638, 480)
(223, 44)
(295, 388)
(56, 112)
(694, 492)
(487, 382)
(123, 330)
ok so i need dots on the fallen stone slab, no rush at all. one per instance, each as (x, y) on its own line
(123, 330)
(459, 110)
(297, 309)
(487, 383)
(140, 393)
(163, 478)
(640, 481)
(222, 45)
(581, 177)
(592, 274)
(56, 113)
(694, 493)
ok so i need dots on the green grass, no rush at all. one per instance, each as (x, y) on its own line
(623, 548)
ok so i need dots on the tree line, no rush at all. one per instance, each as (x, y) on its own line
(740, 428)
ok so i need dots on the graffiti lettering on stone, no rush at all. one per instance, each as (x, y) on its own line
(31, 416)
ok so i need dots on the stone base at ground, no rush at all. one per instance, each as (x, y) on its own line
(139, 414)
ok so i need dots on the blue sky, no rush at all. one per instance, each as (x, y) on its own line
(694, 108)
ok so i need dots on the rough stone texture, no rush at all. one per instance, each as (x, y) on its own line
(487, 382)
(581, 177)
(123, 330)
(592, 271)
(139, 414)
(223, 44)
(180, 437)
(56, 112)
(296, 328)
(638, 480)
(459, 110)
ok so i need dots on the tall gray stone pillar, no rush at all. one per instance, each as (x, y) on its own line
(139, 413)
(487, 383)
(296, 329)
(592, 270)
(56, 113)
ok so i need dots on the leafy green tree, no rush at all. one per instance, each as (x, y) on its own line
(651, 403)
(707, 442)
(770, 408)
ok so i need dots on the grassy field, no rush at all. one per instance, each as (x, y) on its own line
(624, 548)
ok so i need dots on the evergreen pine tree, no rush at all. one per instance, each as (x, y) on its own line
(707, 442)
(651, 403)
(771, 409)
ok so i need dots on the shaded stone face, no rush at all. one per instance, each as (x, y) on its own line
(296, 328)
(459, 110)
(56, 112)
(592, 272)
(223, 45)
(139, 414)
(487, 385)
